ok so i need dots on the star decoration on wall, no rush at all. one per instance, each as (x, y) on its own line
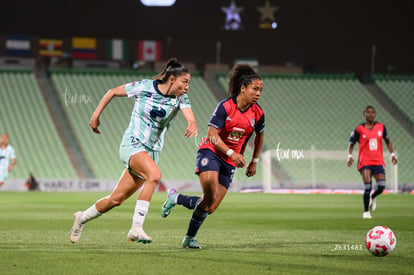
(233, 19)
(267, 18)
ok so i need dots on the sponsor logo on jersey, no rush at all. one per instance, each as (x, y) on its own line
(235, 134)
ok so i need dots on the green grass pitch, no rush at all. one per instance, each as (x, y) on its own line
(251, 233)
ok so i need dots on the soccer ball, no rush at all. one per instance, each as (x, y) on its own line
(380, 241)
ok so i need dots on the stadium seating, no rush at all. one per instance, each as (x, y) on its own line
(25, 117)
(400, 90)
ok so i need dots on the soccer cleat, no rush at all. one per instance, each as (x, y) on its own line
(367, 215)
(190, 242)
(76, 231)
(137, 234)
(372, 204)
(169, 203)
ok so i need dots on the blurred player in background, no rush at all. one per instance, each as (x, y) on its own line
(156, 104)
(370, 157)
(7, 158)
(221, 152)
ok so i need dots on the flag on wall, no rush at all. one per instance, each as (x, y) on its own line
(149, 50)
(17, 45)
(117, 49)
(83, 47)
(50, 47)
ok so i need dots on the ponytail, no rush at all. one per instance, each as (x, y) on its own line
(172, 68)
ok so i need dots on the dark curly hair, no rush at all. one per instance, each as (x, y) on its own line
(242, 74)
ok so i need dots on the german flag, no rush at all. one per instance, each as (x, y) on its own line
(50, 47)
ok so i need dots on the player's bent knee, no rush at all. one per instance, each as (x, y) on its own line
(154, 179)
(381, 183)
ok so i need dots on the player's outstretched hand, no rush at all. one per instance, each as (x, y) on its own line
(94, 123)
(191, 130)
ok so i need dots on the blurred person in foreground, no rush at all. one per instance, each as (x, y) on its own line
(157, 102)
(7, 158)
(231, 125)
(370, 157)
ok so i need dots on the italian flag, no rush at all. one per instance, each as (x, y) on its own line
(117, 49)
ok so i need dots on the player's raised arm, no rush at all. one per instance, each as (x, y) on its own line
(94, 122)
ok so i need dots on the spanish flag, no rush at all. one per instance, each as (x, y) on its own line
(83, 47)
(50, 47)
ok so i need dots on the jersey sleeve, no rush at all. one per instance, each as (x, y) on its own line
(218, 117)
(260, 125)
(12, 153)
(135, 88)
(185, 102)
(385, 134)
(354, 136)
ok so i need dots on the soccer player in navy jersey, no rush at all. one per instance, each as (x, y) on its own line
(231, 125)
(370, 157)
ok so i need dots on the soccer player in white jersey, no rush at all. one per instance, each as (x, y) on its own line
(7, 158)
(156, 104)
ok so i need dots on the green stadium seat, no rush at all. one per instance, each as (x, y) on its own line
(400, 91)
(25, 117)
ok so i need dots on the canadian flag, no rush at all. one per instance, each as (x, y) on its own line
(149, 50)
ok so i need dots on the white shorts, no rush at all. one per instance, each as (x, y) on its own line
(131, 145)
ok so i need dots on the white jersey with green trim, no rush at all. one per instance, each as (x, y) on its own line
(6, 156)
(153, 112)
